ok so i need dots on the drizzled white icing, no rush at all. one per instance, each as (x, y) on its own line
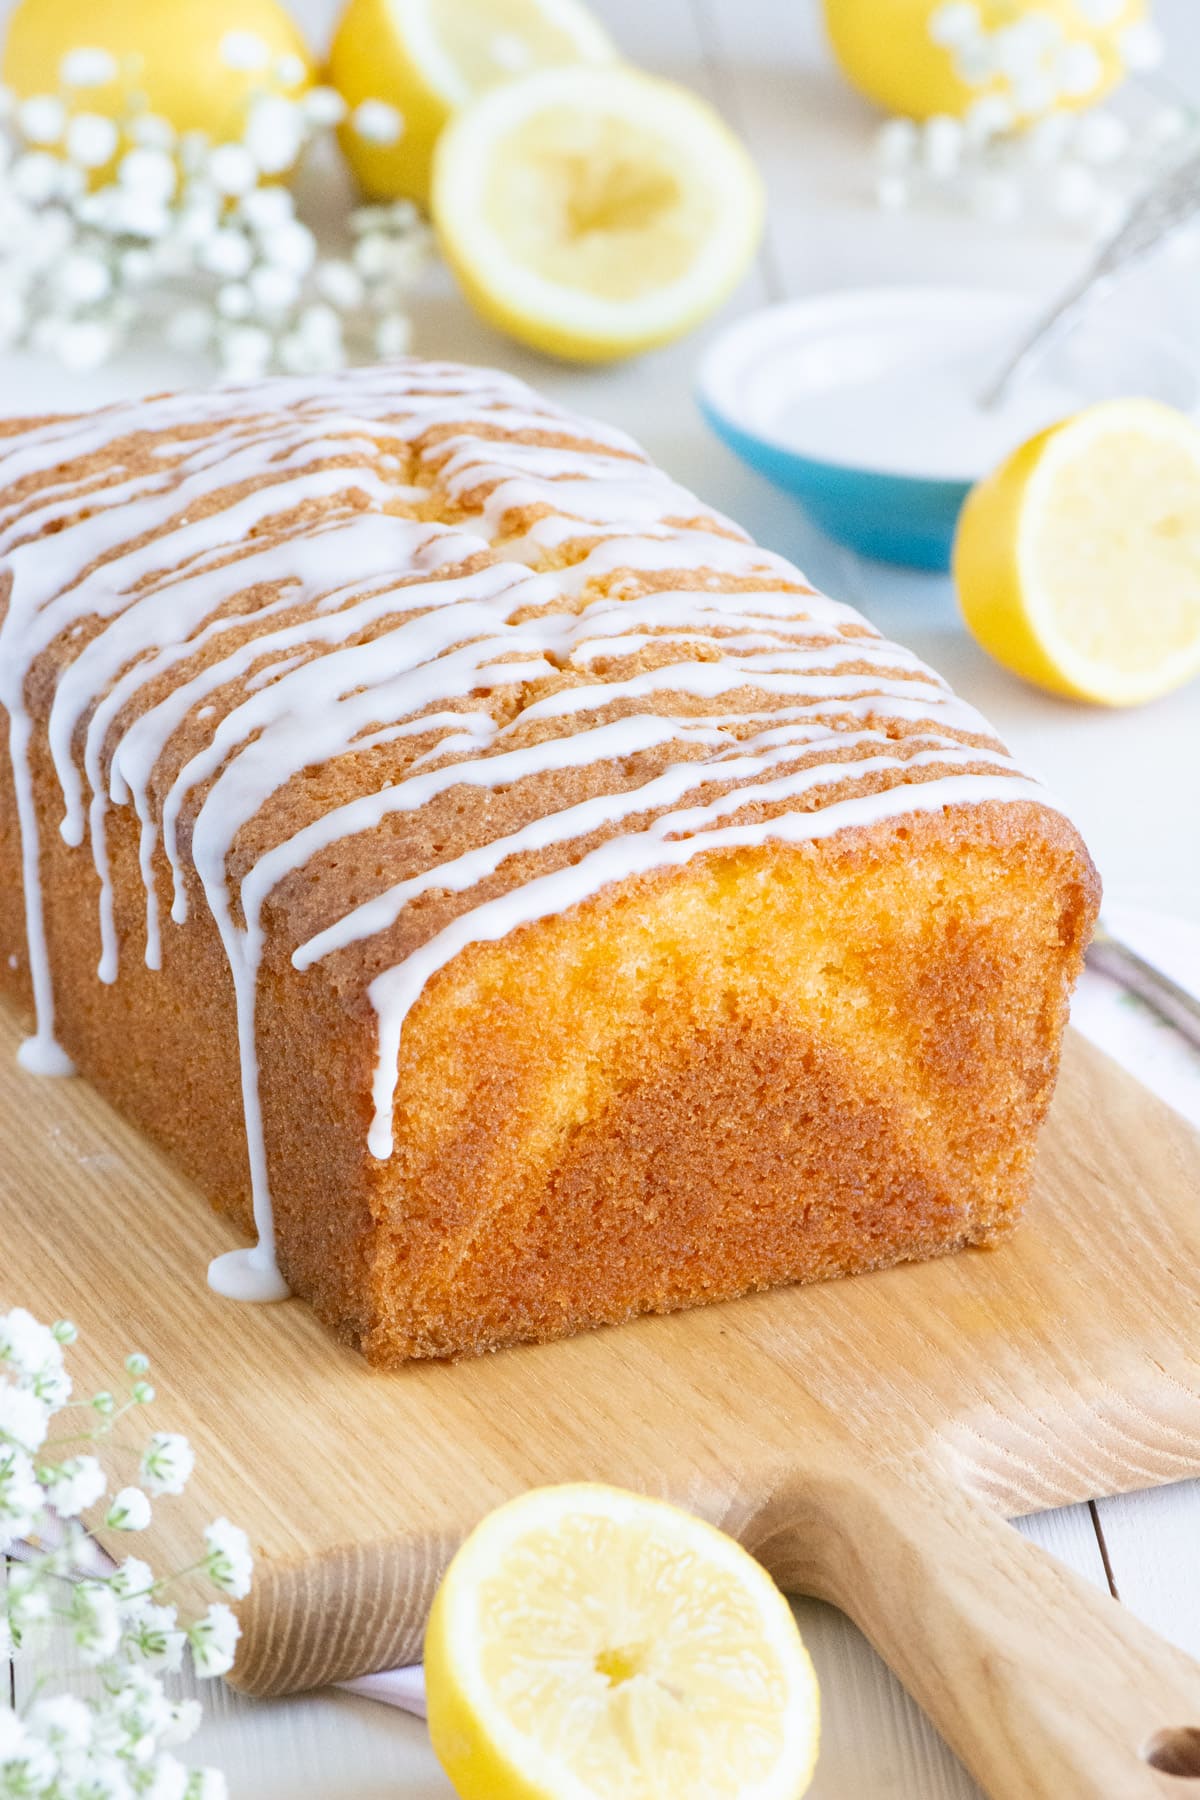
(258, 577)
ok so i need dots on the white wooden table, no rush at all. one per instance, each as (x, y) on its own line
(1128, 779)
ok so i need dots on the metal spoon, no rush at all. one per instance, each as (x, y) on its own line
(1165, 206)
(1109, 956)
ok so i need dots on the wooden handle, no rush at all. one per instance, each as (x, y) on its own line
(1046, 1687)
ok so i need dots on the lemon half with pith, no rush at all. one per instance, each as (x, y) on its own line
(590, 1644)
(595, 212)
(1078, 561)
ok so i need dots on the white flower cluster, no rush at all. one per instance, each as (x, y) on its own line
(119, 1744)
(1028, 145)
(115, 229)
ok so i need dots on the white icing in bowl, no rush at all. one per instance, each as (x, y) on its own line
(886, 379)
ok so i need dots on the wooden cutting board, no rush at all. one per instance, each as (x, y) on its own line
(864, 1438)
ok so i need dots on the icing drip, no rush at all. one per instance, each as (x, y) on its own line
(252, 588)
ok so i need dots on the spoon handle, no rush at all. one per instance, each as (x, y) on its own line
(1161, 210)
(1109, 956)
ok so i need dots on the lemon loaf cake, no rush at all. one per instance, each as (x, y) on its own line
(513, 896)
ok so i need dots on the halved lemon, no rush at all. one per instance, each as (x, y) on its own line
(594, 213)
(426, 58)
(589, 1644)
(1078, 561)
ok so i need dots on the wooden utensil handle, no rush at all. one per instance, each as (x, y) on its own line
(1046, 1687)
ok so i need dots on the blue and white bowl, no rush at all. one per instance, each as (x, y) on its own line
(860, 403)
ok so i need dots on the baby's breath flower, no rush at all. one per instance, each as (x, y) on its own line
(132, 1579)
(243, 50)
(273, 291)
(231, 170)
(139, 1705)
(167, 1463)
(86, 67)
(957, 22)
(1078, 70)
(274, 133)
(290, 70)
(1141, 46)
(206, 1784)
(290, 246)
(82, 278)
(13, 1736)
(152, 1636)
(27, 1766)
(42, 118)
(152, 130)
(340, 283)
(137, 267)
(116, 1745)
(34, 177)
(227, 252)
(229, 1562)
(234, 300)
(23, 1417)
(95, 1621)
(27, 1348)
(183, 1723)
(324, 106)
(377, 122)
(267, 207)
(213, 1640)
(21, 1498)
(74, 1485)
(168, 1780)
(151, 173)
(129, 1511)
(27, 1596)
(62, 1720)
(92, 139)
(393, 336)
(91, 235)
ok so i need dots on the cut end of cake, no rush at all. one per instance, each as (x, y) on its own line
(776, 1068)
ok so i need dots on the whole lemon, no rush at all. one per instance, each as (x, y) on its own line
(193, 62)
(884, 49)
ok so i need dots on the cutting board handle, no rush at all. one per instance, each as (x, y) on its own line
(1045, 1686)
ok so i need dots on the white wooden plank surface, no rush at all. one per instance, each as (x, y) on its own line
(763, 63)
(1153, 1543)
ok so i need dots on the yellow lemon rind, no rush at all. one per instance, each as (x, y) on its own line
(1002, 600)
(566, 321)
(387, 50)
(484, 1756)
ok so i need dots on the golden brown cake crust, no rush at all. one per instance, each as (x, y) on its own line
(821, 1039)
